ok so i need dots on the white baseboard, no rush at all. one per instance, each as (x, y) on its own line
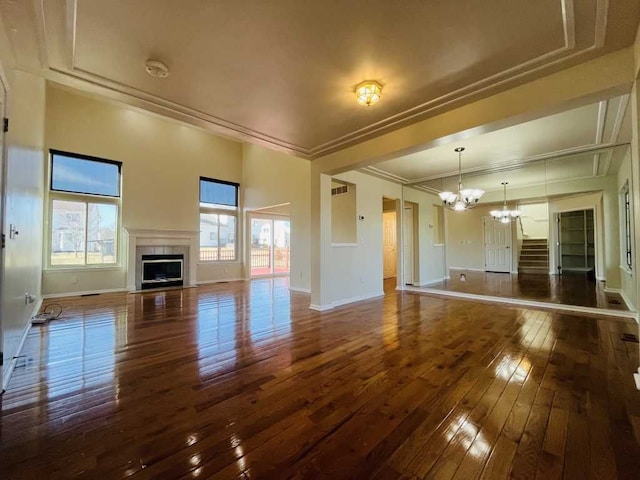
(221, 280)
(320, 308)
(86, 292)
(300, 289)
(625, 299)
(525, 303)
(430, 282)
(468, 269)
(346, 301)
(23, 338)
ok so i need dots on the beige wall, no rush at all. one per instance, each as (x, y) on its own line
(350, 273)
(273, 178)
(162, 161)
(429, 264)
(627, 276)
(344, 217)
(535, 220)
(25, 173)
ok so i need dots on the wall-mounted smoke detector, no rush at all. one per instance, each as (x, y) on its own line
(156, 68)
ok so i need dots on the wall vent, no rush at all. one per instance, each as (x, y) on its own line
(341, 190)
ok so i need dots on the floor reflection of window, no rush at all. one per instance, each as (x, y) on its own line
(217, 332)
(269, 309)
(81, 352)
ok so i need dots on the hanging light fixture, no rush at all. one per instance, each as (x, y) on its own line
(368, 93)
(505, 215)
(466, 198)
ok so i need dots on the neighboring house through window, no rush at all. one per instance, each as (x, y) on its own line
(84, 202)
(218, 220)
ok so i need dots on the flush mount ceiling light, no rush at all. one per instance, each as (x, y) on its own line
(368, 93)
(466, 198)
(156, 68)
(505, 215)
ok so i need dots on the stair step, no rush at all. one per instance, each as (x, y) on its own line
(540, 270)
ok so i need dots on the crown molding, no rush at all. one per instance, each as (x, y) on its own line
(72, 75)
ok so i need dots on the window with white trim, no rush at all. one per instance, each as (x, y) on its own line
(84, 206)
(218, 220)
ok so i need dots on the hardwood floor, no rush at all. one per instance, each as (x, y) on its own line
(565, 289)
(242, 380)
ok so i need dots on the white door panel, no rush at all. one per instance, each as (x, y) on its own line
(497, 245)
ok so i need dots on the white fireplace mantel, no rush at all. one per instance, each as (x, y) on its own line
(138, 237)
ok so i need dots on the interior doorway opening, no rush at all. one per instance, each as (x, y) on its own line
(389, 239)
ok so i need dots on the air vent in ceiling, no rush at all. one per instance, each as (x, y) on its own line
(341, 190)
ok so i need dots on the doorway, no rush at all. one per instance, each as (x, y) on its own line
(497, 245)
(4, 362)
(576, 242)
(389, 239)
(270, 246)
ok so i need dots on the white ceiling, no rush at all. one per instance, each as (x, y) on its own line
(282, 73)
(581, 138)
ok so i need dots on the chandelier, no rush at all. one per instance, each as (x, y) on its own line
(466, 198)
(505, 215)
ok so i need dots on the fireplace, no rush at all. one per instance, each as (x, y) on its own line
(163, 270)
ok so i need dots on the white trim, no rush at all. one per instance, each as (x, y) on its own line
(626, 300)
(320, 308)
(23, 339)
(468, 269)
(220, 280)
(526, 303)
(359, 298)
(344, 244)
(636, 377)
(86, 292)
(80, 269)
(299, 289)
(427, 283)
(626, 270)
(346, 301)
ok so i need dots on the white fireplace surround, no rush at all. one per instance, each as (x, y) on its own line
(162, 238)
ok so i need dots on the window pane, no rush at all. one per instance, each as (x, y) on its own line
(217, 237)
(215, 193)
(68, 233)
(70, 174)
(101, 233)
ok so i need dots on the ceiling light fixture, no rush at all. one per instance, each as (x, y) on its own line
(368, 92)
(466, 198)
(156, 68)
(505, 215)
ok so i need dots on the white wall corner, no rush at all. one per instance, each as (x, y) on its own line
(320, 308)
(299, 289)
(636, 377)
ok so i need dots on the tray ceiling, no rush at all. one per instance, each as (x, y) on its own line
(283, 73)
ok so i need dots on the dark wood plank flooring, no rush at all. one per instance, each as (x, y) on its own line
(242, 380)
(566, 289)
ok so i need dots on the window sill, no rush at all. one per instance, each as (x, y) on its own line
(78, 268)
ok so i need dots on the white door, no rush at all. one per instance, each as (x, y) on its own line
(389, 243)
(497, 245)
(408, 245)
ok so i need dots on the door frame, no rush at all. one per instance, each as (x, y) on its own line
(408, 244)
(558, 248)
(4, 164)
(486, 219)
(272, 217)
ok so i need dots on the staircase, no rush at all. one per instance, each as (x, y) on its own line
(534, 256)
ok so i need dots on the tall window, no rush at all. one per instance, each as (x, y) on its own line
(626, 224)
(218, 220)
(84, 200)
